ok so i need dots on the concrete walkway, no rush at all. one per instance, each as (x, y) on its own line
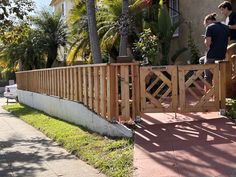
(26, 152)
(192, 145)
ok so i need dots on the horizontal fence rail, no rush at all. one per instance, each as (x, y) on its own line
(110, 90)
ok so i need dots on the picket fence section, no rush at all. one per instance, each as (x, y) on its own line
(110, 90)
(120, 92)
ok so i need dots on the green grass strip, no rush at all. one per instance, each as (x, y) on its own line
(113, 157)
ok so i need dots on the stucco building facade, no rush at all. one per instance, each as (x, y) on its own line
(194, 12)
(63, 6)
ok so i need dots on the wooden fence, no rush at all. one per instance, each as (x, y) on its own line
(110, 90)
(113, 90)
(182, 88)
(231, 70)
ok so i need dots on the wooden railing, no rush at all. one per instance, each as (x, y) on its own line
(110, 90)
(230, 70)
(182, 88)
(233, 60)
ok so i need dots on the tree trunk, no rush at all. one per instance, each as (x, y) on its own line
(124, 30)
(93, 35)
(20, 65)
(52, 56)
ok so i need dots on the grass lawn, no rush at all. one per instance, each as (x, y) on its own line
(113, 157)
(231, 108)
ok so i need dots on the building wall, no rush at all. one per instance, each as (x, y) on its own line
(194, 12)
(70, 5)
(58, 5)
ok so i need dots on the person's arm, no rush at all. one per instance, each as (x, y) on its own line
(232, 23)
(232, 27)
(207, 42)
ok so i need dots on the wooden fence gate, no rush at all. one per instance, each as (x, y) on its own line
(182, 88)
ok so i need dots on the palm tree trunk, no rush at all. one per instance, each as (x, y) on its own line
(124, 30)
(20, 65)
(93, 35)
(52, 56)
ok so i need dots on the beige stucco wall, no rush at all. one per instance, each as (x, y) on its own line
(194, 11)
(70, 4)
(58, 5)
(58, 9)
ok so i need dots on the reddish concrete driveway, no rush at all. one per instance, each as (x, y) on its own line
(193, 145)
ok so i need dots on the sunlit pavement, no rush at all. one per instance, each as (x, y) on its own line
(191, 145)
(26, 152)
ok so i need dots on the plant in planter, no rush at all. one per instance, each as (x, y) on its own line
(147, 46)
(166, 30)
(195, 54)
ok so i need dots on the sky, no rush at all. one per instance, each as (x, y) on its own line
(42, 4)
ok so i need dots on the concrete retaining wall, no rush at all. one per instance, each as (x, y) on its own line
(2, 90)
(73, 112)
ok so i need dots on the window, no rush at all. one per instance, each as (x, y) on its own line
(174, 13)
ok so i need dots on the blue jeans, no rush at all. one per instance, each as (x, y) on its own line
(208, 75)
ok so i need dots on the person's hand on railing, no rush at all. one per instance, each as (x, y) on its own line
(231, 46)
(233, 57)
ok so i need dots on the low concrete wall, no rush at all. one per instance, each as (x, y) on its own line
(73, 112)
(2, 90)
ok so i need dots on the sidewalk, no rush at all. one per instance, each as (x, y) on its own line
(191, 145)
(26, 152)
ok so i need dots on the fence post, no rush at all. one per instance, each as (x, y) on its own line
(222, 90)
(125, 93)
(27, 81)
(136, 96)
(18, 78)
(234, 76)
(228, 75)
(111, 91)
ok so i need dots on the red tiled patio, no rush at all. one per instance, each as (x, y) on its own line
(190, 145)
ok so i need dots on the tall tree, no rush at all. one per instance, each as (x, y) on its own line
(53, 34)
(124, 28)
(93, 35)
(109, 22)
(20, 49)
(10, 10)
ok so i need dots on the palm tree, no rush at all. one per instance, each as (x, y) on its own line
(134, 8)
(53, 34)
(124, 28)
(107, 17)
(108, 32)
(93, 35)
(116, 20)
(20, 49)
(25, 55)
(78, 36)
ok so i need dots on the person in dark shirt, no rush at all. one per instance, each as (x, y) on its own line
(226, 9)
(216, 41)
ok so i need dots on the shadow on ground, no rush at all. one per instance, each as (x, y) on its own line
(192, 149)
(26, 157)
